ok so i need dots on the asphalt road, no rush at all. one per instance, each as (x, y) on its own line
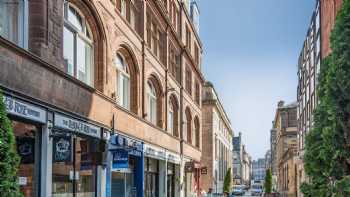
(247, 194)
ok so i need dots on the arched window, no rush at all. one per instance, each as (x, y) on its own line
(197, 131)
(77, 45)
(173, 116)
(188, 126)
(152, 103)
(123, 81)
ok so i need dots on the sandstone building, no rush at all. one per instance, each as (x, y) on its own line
(285, 125)
(217, 136)
(104, 95)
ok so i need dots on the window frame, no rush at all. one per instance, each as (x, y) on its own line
(84, 35)
(152, 99)
(23, 29)
(123, 72)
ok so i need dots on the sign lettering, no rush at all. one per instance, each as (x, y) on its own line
(24, 110)
(64, 122)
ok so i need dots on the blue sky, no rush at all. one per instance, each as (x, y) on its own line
(251, 48)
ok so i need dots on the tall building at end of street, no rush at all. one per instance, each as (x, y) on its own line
(259, 170)
(217, 137)
(285, 125)
(315, 48)
(268, 160)
(242, 162)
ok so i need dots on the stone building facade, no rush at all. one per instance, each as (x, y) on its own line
(90, 84)
(285, 124)
(217, 136)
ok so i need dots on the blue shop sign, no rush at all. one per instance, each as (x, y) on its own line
(132, 146)
(120, 159)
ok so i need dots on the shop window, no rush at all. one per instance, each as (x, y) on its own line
(123, 81)
(28, 147)
(74, 165)
(14, 21)
(151, 177)
(78, 50)
(171, 180)
(123, 184)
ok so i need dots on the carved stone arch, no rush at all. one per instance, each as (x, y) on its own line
(134, 73)
(92, 17)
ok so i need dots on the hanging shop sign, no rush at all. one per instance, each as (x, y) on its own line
(154, 152)
(64, 122)
(189, 167)
(62, 149)
(204, 170)
(25, 110)
(120, 159)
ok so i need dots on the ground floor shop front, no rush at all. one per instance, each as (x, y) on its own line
(65, 155)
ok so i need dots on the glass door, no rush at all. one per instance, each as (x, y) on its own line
(74, 166)
(85, 152)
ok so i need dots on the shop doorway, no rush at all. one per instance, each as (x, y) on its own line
(28, 141)
(123, 184)
(74, 165)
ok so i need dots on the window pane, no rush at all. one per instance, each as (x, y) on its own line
(153, 112)
(124, 91)
(75, 19)
(84, 61)
(68, 50)
(11, 20)
(171, 122)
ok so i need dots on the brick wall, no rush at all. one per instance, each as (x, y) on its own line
(329, 10)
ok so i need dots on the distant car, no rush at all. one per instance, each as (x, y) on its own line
(238, 190)
(257, 190)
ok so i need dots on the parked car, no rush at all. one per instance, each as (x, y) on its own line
(238, 190)
(257, 190)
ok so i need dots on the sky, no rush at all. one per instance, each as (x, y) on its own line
(251, 49)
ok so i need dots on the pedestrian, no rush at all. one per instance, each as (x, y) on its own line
(210, 192)
(226, 194)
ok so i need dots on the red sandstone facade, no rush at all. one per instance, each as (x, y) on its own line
(161, 46)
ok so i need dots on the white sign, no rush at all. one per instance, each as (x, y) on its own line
(173, 158)
(155, 152)
(70, 124)
(24, 110)
(22, 181)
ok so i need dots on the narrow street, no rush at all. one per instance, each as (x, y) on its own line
(174, 98)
